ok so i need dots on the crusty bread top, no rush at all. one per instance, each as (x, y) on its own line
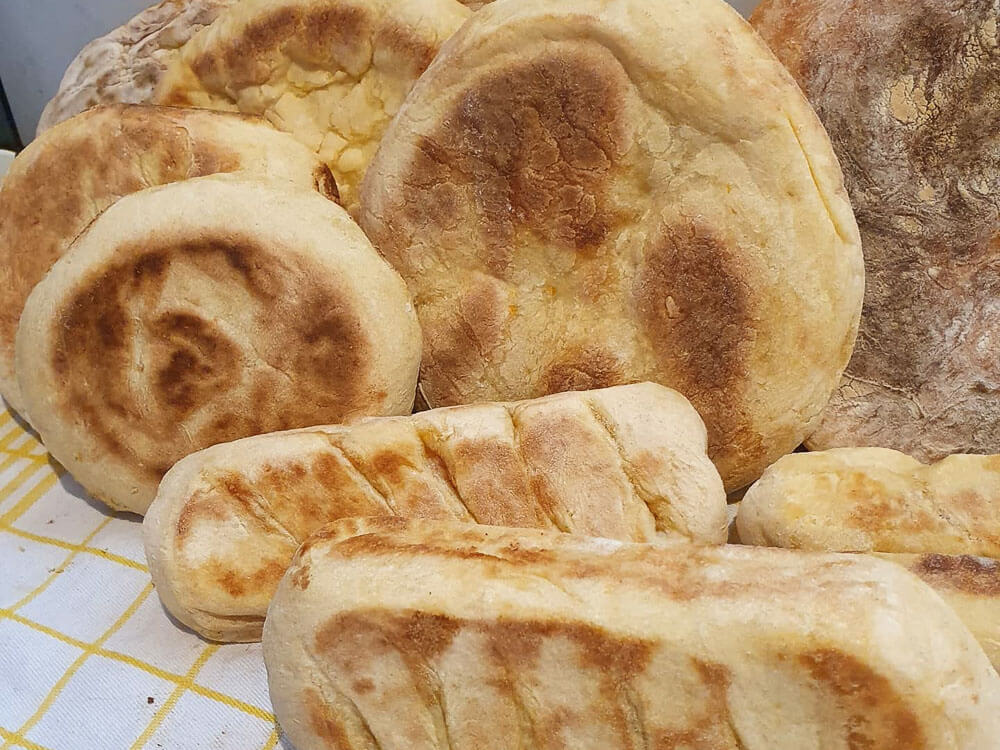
(330, 72)
(876, 499)
(66, 177)
(428, 636)
(627, 463)
(125, 65)
(909, 91)
(582, 193)
(203, 311)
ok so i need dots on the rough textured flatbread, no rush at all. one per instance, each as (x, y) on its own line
(66, 177)
(204, 311)
(626, 463)
(942, 522)
(909, 91)
(582, 193)
(330, 72)
(426, 636)
(125, 65)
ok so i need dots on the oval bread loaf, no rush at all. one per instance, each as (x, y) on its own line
(582, 193)
(434, 636)
(60, 183)
(941, 522)
(626, 462)
(204, 311)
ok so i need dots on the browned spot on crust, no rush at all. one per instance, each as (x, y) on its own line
(263, 579)
(301, 577)
(879, 717)
(583, 368)
(322, 721)
(325, 183)
(713, 727)
(391, 465)
(405, 45)
(698, 315)
(978, 576)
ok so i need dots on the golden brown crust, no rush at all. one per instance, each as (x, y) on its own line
(68, 176)
(570, 212)
(183, 317)
(430, 635)
(625, 463)
(909, 92)
(330, 72)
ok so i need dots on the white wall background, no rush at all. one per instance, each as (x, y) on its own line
(39, 38)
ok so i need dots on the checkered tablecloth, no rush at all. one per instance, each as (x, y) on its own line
(88, 657)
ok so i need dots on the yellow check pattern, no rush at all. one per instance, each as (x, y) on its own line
(88, 657)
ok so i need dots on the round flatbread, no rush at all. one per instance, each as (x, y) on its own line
(125, 65)
(66, 177)
(204, 311)
(582, 193)
(330, 72)
(909, 91)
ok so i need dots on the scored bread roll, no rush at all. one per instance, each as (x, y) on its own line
(330, 72)
(582, 193)
(125, 65)
(941, 522)
(909, 91)
(204, 311)
(626, 462)
(61, 182)
(434, 636)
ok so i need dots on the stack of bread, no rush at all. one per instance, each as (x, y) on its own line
(610, 246)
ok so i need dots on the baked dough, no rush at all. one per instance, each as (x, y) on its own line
(627, 463)
(125, 65)
(201, 312)
(941, 522)
(61, 182)
(330, 72)
(582, 193)
(909, 91)
(427, 636)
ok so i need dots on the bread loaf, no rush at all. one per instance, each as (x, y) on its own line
(330, 72)
(125, 65)
(626, 462)
(941, 522)
(909, 91)
(201, 312)
(421, 636)
(582, 193)
(60, 183)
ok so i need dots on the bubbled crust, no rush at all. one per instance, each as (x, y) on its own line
(627, 463)
(432, 636)
(330, 72)
(60, 183)
(205, 311)
(125, 65)
(586, 194)
(909, 91)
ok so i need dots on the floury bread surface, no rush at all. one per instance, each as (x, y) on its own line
(204, 311)
(64, 179)
(582, 193)
(940, 521)
(431, 636)
(626, 462)
(330, 72)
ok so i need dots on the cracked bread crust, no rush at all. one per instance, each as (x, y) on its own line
(434, 636)
(582, 194)
(909, 92)
(627, 463)
(186, 316)
(330, 72)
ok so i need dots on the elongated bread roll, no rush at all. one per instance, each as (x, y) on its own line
(582, 193)
(330, 72)
(432, 636)
(626, 462)
(60, 183)
(940, 521)
(204, 311)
